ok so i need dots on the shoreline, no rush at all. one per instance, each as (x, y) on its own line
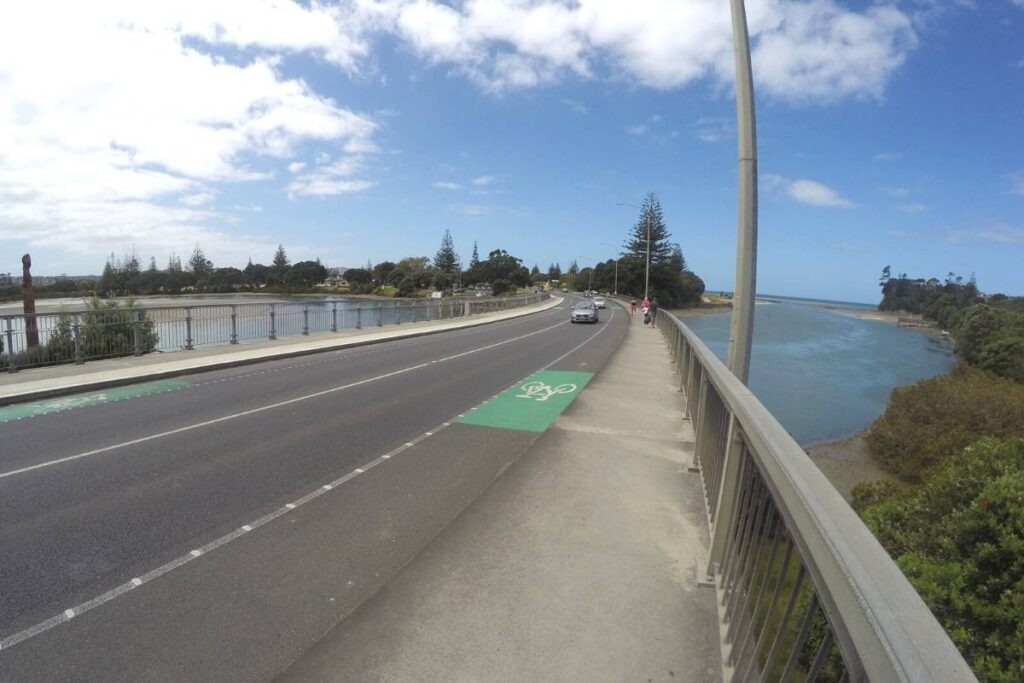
(847, 462)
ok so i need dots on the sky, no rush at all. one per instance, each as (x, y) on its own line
(889, 133)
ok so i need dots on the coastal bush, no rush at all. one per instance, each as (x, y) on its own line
(869, 493)
(501, 286)
(960, 541)
(928, 422)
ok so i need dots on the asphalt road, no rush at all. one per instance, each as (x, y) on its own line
(152, 538)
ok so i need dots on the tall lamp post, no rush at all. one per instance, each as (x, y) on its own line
(647, 268)
(742, 323)
(608, 244)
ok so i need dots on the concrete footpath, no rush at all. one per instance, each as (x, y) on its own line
(579, 563)
(36, 383)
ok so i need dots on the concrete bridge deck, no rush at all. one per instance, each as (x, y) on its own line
(579, 563)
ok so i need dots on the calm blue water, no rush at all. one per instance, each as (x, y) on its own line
(823, 374)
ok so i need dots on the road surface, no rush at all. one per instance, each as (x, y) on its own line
(214, 527)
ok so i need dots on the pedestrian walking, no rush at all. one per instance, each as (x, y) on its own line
(632, 307)
(654, 312)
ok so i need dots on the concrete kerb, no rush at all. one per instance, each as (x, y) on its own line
(104, 380)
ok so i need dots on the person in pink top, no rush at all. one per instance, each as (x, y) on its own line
(645, 305)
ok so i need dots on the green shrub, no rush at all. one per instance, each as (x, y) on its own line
(501, 286)
(960, 541)
(870, 493)
(928, 422)
(108, 329)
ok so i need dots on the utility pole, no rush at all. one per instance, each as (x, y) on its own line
(608, 244)
(741, 327)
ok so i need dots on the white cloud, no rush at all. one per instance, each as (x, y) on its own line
(714, 129)
(108, 108)
(888, 156)
(995, 234)
(198, 198)
(816, 194)
(636, 130)
(470, 209)
(446, 185)
(296, 166)
(808, 50)
(328, 179)
(914, 207)
(483, 181)
(577, 107)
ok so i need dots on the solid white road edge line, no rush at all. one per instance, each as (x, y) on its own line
(253, 411)
(67, 615)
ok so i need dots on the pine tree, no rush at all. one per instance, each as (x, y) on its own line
(650, 223)
(174, 264)
(474, 260)
(198, 264)
(132, 266)
(281, 262)
(676, 259)
(152, 264)
(446, 260)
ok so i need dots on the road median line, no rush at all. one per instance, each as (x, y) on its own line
(104, 379)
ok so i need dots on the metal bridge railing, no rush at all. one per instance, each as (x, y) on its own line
(80, 336)
(805, 592)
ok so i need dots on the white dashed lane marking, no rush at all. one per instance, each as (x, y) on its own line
(137, 582)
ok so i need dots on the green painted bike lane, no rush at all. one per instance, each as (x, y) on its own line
(533, 405)
(56, 405)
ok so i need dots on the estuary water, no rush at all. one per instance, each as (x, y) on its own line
(826, 374)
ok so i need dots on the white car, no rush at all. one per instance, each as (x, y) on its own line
(600, 302)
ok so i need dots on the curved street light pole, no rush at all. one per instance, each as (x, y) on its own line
(742, 323)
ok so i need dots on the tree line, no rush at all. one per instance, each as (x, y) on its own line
(987, 330)
(953, 516)
(125, 276)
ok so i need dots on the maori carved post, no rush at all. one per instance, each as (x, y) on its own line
(28, 299)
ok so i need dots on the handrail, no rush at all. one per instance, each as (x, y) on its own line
(65, 336)
(311, 299)
(765, 497)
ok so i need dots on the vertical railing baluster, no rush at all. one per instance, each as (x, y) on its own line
(188, 329)
(11, 365)
(359, 317)
(136, 333)
(334, 316)
(305, 320)
(273, 322)
(76, 328)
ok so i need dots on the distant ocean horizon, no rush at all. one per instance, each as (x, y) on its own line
(824, 374)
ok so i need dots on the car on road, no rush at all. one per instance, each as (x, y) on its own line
(583, 312)
(600, 302)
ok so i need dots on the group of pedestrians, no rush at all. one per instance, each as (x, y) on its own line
(649, 309)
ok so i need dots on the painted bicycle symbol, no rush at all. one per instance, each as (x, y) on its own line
(539, 391)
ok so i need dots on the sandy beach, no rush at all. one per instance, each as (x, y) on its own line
(846, 463)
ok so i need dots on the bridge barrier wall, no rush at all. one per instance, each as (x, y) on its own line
(80, 336)
(805, 591)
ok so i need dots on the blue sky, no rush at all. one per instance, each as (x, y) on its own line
(889, 133)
